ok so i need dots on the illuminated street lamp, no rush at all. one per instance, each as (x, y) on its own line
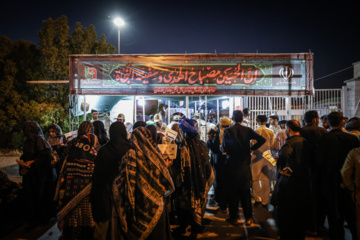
(119, 22)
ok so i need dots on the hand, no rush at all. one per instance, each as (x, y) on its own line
(169, 162)
(28, 163)
(20, 162)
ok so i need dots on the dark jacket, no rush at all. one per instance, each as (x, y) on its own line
(312, 133)
(331, 153)
(236, 142)
(294, 155)
(236, 145)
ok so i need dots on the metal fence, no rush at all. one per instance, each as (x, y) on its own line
(324, 101)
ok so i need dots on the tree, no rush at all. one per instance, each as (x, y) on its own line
(23, 61)
(18, 64)
(55, 46)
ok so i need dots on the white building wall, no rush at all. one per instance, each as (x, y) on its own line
(353, 92)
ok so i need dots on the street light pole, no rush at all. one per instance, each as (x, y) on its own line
(118, 22)
(118, 40)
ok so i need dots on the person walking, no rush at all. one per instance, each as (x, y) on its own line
(237, 171)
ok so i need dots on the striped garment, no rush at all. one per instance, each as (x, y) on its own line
(140, 188)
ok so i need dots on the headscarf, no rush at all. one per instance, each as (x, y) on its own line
(197, 173)
(153, 132)
(99, 131)
(118, 136)
(85, 128)
(225, 121)
(140, 188)
(55, 140)
(139, 124)
(35, 141)
(189, 125)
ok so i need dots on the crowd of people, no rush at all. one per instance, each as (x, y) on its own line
(122, 186)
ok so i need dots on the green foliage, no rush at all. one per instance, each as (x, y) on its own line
(23, 61)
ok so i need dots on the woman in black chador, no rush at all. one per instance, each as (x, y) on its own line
(99, 131)
(58, 143)
(106, 168)
(38, 176)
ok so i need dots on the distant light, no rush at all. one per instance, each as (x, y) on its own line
(119, 22)
(141, 102)
(225, 104)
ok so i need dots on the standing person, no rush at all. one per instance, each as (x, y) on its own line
(94, 114)
(237, 171)
(280, 137)
(262, 170)
(76, 220)
(290, 189)
(350, 173)
(314, 208)
(100, 132)
(331, 153)
(38, 177)
(160, 125)
(203, 126)
(353, 126)
(273, 121)
(120, 118)
(197, 178)
(107, 164)
(139, 190)
(324, 122)
(215, 138)
(138, 124)
(246, 117)
(58, 143)
(151, 120)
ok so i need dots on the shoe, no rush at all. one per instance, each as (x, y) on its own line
(233, 221)
(249, 221)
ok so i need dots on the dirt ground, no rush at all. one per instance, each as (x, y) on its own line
(9, 166)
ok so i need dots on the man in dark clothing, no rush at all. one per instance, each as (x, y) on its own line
(331, 153)
(218, 160)
(315, 207)
(324, 122)
(237, 171)
(290, 189)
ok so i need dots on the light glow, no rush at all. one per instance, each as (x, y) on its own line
(119, 22)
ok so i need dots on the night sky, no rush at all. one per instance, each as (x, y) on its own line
(330, 31)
